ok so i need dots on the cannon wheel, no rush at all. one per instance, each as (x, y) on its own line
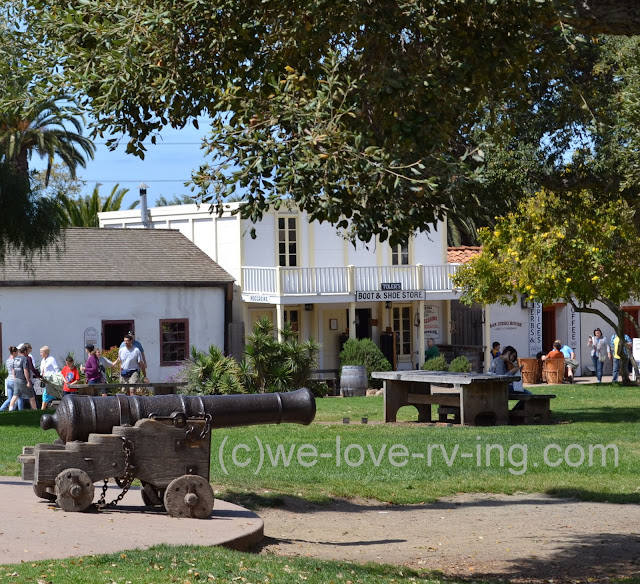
(75, 489)
(44, 492)
(189, 496)
(152, 496)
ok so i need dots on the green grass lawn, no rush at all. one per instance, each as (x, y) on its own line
(387, 462)
(411, 463)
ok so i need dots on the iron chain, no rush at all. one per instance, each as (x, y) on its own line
(127, 447)
(206, 428)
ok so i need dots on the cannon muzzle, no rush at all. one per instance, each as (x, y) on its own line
(78, 416)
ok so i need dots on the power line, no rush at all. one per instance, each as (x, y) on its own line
(159, 144)
(124, 180)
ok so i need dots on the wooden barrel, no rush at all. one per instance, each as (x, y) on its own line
(353, 381)
(532, 370)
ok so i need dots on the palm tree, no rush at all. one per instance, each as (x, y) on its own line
(83, 211)
(44, 128)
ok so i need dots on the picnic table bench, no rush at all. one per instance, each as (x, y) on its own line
(153, 388)
(327, 376)
(533, 408)
(477, 398)
(471, 398)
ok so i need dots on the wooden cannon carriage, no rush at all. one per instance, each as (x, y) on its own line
(164, 441)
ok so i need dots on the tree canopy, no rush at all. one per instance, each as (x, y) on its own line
(543, 251)
(83, 211)
(358, 111)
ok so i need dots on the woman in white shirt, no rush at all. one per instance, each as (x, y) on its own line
(599, 352)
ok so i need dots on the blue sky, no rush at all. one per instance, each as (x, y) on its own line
(165, 169)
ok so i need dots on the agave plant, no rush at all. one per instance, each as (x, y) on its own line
(212, 373)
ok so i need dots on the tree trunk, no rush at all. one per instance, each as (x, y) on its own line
(616, 17)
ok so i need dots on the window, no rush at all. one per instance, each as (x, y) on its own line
(402, 325)
(174, 341)
(293, 318)
(400, 255)
(287, 241)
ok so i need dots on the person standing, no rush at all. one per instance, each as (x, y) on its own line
(22, 383)
(8, 384)
(599, 352)
(615, 356)
(131, 363)
(104, 363)
(71, 376)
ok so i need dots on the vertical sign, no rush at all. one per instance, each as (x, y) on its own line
(573, 331)
(90, 338)
(431, 322)
(636, 355)
(535, 329)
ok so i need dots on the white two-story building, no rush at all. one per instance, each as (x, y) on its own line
(309, 275)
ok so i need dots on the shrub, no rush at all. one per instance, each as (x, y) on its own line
(438, 363)
(210, 373)
(3, 375)
(460, 365)
(274, 365)
(365, 352)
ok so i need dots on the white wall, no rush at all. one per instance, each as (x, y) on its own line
(58, 317)
(509, 325)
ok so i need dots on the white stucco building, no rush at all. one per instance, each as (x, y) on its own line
(308, 274)
(101, 283)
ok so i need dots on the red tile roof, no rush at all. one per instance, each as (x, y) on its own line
(461, 255)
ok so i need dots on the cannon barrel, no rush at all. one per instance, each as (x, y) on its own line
(78, 416)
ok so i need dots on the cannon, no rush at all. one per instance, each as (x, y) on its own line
(164, 441)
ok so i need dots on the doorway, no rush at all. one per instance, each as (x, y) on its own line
(113, 332)
(548, 327)
(363, 328)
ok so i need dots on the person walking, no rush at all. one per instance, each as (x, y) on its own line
(570, 362)
(9, 381)
(48, 367)
(131, 363)
(138, 345)
(599, 352)
(22, 384)
(92, 366)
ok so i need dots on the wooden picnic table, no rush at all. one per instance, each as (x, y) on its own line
(154, 387)
(482, 398)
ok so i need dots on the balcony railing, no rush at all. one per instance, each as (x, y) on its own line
(345, 280)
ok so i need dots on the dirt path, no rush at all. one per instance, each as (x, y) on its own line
(522, 537)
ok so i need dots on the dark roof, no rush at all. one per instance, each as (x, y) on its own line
(116, 257)
(461, 255)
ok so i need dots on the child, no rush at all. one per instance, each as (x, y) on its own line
(71, 376)
(495, 350)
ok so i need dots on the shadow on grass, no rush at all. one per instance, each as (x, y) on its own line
(594, 557)
(295, 504)
(22, 418)
(603, 415)
(595, 496)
